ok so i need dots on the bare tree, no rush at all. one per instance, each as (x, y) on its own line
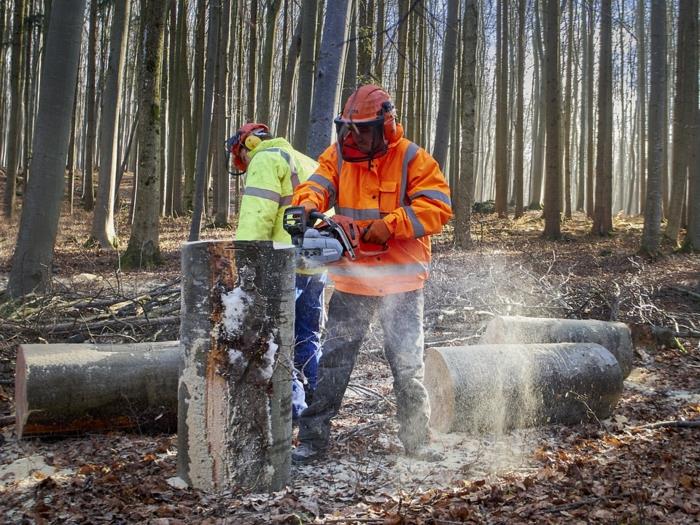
(519, 123)
(91, 116)
(501, 174)
(463, 193)
(657, 122)
(306, 74)
(103, 230)
(326, 85)
(33, 256)
(14, 132)
(144, 248)
(602, 209)
(552, 188)
(271, 15)
(683, 111)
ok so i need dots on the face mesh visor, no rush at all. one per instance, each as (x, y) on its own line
(361, 141)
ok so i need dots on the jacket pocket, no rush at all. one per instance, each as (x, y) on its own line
(387, 196)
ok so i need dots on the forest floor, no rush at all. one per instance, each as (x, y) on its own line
(619, 470)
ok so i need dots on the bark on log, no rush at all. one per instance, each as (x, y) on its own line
(616, 337)
(73, 388)
(493, 388)
(234, 397)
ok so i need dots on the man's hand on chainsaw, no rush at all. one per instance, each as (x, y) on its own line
(308, 206)
(377, 233)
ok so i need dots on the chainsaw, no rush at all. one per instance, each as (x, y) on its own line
(322, 240)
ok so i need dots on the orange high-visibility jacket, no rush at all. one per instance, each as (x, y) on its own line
(406, 189)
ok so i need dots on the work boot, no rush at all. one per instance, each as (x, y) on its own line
(305, 453)
(424, 453)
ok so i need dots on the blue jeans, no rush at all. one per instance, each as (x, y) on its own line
(307, 337)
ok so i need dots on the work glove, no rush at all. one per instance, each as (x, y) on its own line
(377, 233)
(308, 206)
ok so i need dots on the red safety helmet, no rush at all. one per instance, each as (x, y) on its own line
(367, 124)
(247, 137)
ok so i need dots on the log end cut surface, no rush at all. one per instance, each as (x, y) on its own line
(440, 386)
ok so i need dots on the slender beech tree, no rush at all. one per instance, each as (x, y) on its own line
(326, 85)
(657, 122)
(685, 102)
(350, 69)
(552, 187)
(518, 162)
(692, 238)
(306, 74)
(641, 104)
(143, 250)
(400, 95)
(33, 256)
(14, 130)
(285, 92)
(272, 10)
(463, 193)
(91, 114)
(103, 228)
(252, 70)
(568, 110)
(379, 46)
(205, 130)
(501, 174)
(589, 110)
(602, 209)
(447, 82)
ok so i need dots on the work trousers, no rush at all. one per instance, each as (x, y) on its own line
(349, 316)
(307, 337)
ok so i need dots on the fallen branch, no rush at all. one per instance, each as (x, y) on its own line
(673, 423)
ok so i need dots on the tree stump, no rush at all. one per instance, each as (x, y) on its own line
(72, 388)
(237, 334)
(616, 337)
(493, 388)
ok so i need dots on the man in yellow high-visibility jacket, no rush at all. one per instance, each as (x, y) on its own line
(273, 169)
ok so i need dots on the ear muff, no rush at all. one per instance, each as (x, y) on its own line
(252, 141)
(389, 111)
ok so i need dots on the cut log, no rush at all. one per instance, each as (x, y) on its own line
(234, 397)
(493, 388)
(616, 337)
(73, 388)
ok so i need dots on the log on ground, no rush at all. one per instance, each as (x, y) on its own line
(73, 388)
(614, 336)
(234, 397)
(494, 388)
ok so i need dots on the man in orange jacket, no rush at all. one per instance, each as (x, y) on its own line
(395, 191)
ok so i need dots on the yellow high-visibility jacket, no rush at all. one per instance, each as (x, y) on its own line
(274, 171)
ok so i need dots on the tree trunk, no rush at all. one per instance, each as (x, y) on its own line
(589, 110)
(287, 81)
(494, 388)
(464, 191)
(581, 185)
(91, 117)
(350, 67)
(641, 104)
(33, 256)
(14, 132)
(273, 9)
(552, 188)
(538, 134)
(306, 74)
(365, 28)
(143, 250)
(198, 74)
(379, 47)
(222, 195)
(568, 111)
(205, 128)
(501, 173)
(75, 388)
(234, 423)
(518, 163)
(188, 122)
(447, 81)
(602, 209)
(613, 336)
(325, 99)
(653, 209)
(685, 102)
(400, 95)
(692, 238)
(103, 230)
(252, 47)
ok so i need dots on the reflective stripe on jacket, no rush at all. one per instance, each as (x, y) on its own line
(406, 189)
(274, 171)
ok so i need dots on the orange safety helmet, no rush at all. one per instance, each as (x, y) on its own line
(367, 124)
(247, 137)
